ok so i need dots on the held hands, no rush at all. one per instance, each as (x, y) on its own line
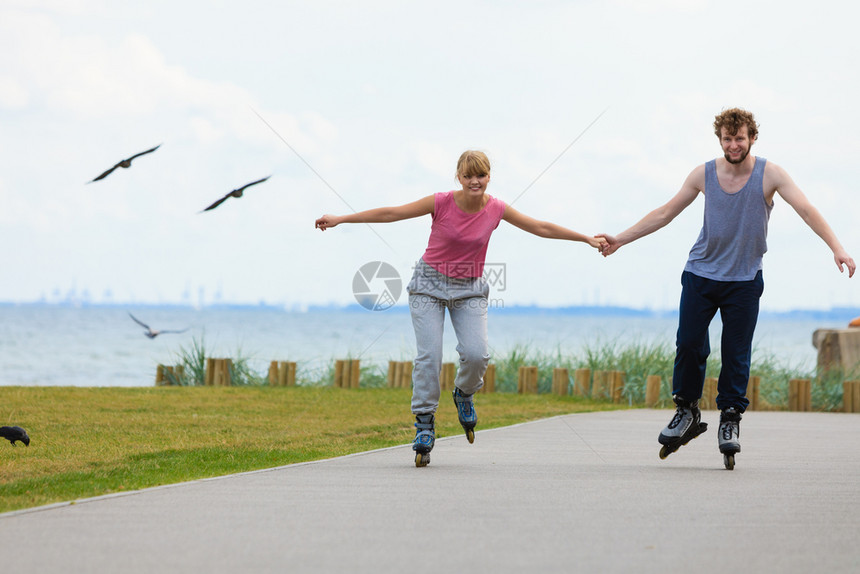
(597, 242)
(609, 245)
(327, 221)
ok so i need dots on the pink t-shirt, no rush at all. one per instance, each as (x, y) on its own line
(458, 240)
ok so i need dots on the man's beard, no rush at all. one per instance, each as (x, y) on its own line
(739, 160)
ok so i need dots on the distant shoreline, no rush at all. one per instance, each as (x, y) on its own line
(832, 314)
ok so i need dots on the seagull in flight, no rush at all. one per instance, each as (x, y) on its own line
(125, 163)
(235, 193)
(15, 433)
(152, 333)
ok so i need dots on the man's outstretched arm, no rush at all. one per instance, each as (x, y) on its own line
(788, 190)
(660, 217)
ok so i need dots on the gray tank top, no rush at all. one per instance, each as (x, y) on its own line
(734, 233)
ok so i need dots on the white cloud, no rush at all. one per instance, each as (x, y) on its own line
(13, 95)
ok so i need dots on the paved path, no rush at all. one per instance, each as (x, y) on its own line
(576, 493)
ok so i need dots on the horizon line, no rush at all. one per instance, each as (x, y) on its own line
(601, 309)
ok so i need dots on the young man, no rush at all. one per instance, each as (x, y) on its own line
(724, 272)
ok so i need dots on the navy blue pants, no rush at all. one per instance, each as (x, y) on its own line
(738, 304)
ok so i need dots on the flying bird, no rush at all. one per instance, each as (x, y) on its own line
(125, 163)
(235, 193)
(15, 433)
(153, 333)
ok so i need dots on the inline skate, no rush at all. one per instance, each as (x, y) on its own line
(425, 438)
(466, 413)
(730, 432)
(685, 425)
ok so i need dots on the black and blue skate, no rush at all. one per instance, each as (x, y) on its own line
(730, 432)
(685, 425)
(466, 413)
(425, 438)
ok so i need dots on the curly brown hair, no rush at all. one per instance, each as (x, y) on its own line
(732, 119)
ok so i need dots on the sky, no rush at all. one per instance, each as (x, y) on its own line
(592, 113)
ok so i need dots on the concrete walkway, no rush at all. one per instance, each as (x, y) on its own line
(576, 493)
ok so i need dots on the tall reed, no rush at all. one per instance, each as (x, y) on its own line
(193, 359)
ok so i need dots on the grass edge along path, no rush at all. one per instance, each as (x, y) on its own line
(92, 441)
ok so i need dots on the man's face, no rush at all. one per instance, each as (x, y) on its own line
(735, 147)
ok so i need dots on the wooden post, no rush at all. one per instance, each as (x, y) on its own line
(752, 392)
(447, 376)
(792, 394)
(210, 371)
(338, 373)
(851, 396)
(347, 373)
(561, 382)
(799, 395)
(527, 380)
(287, 374)
(616, 385)
(709, 394)
(218, 372)
(582, 382)
(283, 371)
(166, 375)
(489, 380)
(226, 372)
(355, 374)
(400, 374)
(406, 375)
(392, 373)
(855, 396)
(652, 390)
(273, 373)
(599, 389)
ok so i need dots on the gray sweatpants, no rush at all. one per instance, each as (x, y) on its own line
(430, 294)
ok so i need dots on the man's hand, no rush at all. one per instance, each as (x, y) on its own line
(610, 244)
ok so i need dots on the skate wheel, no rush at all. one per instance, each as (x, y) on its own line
(422, 459)
(664, 452)
(470, 436)
(729, 461)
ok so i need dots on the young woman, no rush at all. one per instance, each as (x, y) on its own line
(450, 276)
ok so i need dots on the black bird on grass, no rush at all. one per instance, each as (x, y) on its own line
(125, 163)
(15, 433)
(235, 193)
(153, 333)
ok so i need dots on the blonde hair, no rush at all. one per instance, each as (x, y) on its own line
(473, 163)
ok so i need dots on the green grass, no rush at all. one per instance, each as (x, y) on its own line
(90, 441)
